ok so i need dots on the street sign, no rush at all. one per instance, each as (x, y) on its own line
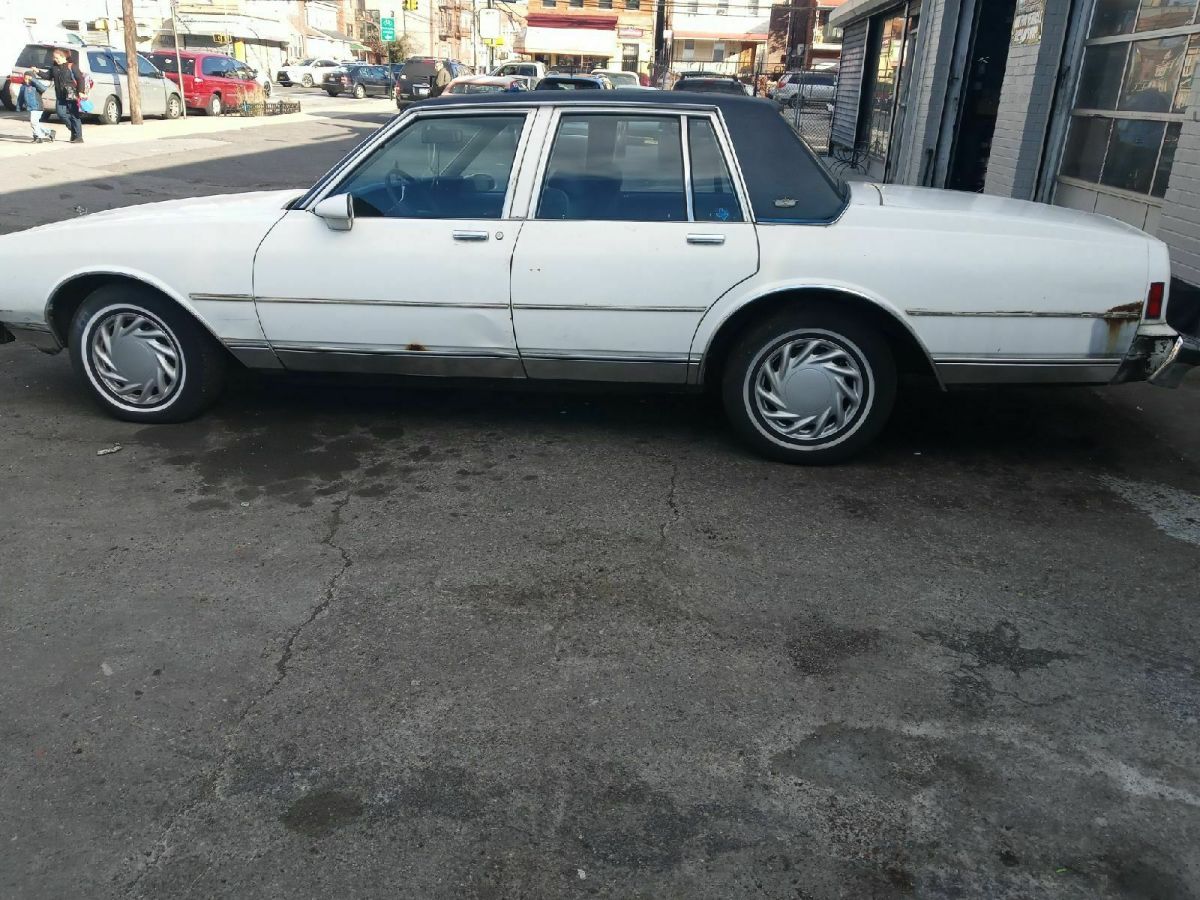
(489, 24)
(494, 42)
(387, 30)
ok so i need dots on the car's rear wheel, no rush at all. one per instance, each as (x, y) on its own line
(143, 358)
(110, 113)
(332, 93)
(359, 92)
(307, 81)
(6, 99)
(811, 386)
(214, 106)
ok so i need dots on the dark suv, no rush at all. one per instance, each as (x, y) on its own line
(359, 81)
(416, 81)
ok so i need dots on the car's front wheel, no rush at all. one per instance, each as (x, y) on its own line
(810, 386)
(307, 81)
(142, 357)
(174, 107)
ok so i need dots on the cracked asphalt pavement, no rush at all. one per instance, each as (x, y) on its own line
(342, 638)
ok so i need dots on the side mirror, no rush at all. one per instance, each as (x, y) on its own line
(337, 211)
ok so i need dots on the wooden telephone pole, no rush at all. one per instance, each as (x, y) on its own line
(131, 59)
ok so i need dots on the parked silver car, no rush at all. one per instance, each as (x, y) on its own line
(798, 88)
(107, 68)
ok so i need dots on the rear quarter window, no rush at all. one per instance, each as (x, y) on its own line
(40, 56)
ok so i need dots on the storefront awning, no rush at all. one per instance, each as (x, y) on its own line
(241, 27)
(577, 41)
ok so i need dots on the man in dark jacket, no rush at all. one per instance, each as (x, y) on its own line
(70, 86)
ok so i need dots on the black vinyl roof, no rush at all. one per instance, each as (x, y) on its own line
(786, 181)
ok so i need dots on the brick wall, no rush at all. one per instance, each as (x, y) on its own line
(1180, 222)
(1025, 106)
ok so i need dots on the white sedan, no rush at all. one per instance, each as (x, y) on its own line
(618, 236)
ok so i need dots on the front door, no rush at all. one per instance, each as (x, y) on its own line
(622, 254)
(419, 284)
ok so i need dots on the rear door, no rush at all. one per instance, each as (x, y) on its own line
(637, 226)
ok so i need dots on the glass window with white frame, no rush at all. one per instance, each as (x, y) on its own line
(1139, 62)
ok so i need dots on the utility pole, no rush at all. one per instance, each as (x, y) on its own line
(131, 63)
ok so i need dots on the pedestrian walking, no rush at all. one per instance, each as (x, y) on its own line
(70, 87)
(440, 79)
(31, 100)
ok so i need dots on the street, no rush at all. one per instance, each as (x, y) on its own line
(345, 637)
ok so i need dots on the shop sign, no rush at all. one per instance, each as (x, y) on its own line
(629, 33)
(1027, 25)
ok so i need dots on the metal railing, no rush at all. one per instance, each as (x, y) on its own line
(811, 120)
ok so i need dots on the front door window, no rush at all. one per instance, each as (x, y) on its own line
(442, 167)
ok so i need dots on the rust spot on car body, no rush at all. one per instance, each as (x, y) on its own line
(1117, 320)
(1125, 311)
(417, 348)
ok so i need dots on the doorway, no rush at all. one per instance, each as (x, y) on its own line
(986, 61)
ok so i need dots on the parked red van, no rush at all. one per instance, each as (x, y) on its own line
(211, 81)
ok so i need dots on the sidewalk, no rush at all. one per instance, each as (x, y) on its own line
(15, 134)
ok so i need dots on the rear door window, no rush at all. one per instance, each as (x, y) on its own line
(167, 62)
(105, 63)
(615, 168)
(713, 196)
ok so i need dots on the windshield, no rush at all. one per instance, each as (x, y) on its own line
(305, 62)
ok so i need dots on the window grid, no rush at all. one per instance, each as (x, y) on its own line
(1105, 31)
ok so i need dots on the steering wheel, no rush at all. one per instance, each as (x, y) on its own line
(398, 184)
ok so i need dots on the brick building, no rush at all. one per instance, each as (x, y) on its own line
(1084, 104)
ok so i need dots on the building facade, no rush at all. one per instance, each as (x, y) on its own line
(581, 35)
(1088, 105)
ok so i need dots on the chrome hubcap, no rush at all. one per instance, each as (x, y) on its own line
(135, 358)
(809, 389)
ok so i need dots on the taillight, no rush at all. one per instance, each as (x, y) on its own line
(1154, 300)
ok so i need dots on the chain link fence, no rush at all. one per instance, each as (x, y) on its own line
(811, 119)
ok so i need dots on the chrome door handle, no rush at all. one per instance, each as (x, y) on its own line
(706, 238)
(469, 235)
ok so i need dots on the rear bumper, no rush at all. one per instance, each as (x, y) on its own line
(1161, 359)
(1183, 356)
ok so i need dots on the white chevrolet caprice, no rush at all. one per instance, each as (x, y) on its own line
(617, 236)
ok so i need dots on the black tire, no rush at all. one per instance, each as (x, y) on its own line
(174, 107)
(858, 347)
(213, 107)
(359, 92)
(332, 93)
(307, 81)
(201, 361)
(266, 88)
(110, 113)
(6, 99)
